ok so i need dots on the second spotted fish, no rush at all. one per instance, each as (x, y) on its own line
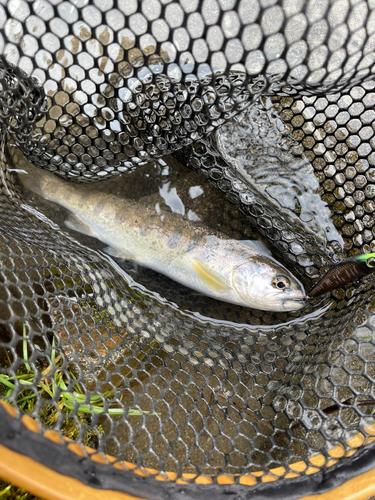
(185, 251)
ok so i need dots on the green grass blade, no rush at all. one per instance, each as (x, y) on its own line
(53, 353)
(6, 382)
(25, 357)
(25, 398)
(4, 379)
(5, 491)
(46, 388)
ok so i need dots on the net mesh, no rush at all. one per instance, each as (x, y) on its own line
(179, 386)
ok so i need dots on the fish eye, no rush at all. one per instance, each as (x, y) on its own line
(282, 282)
(370, 262)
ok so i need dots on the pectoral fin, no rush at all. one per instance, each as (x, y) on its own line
(120, 253)
(73, 222)
(210, 279)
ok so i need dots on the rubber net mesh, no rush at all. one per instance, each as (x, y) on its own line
(143, 371)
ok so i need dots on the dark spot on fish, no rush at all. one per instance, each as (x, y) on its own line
(173, 239)
(99, 207)
(340, 275)
(145, 230)
(193, 242)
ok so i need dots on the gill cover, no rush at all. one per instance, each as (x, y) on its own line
(252, 280)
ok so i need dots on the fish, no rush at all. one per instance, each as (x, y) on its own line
(187, 252)
(347, 271)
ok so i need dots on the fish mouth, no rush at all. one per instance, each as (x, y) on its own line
(293, 304)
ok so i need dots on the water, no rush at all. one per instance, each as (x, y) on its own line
(274, 164)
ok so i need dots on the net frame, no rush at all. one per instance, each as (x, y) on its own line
(342, 477)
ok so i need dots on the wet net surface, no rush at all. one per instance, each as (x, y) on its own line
(128, 368)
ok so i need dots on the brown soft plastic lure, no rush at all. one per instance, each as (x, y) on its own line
(345, 272)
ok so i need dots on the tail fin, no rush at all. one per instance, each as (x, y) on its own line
(38, 181)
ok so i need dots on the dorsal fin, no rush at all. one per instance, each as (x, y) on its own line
(258, 245)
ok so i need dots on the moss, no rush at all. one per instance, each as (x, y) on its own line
(10, 492)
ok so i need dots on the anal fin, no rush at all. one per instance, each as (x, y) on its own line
(120, 253)
(73, 222)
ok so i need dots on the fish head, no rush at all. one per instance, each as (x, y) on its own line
(266, 285)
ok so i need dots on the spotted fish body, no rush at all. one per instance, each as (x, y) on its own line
(344, 273)
(188, 252)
